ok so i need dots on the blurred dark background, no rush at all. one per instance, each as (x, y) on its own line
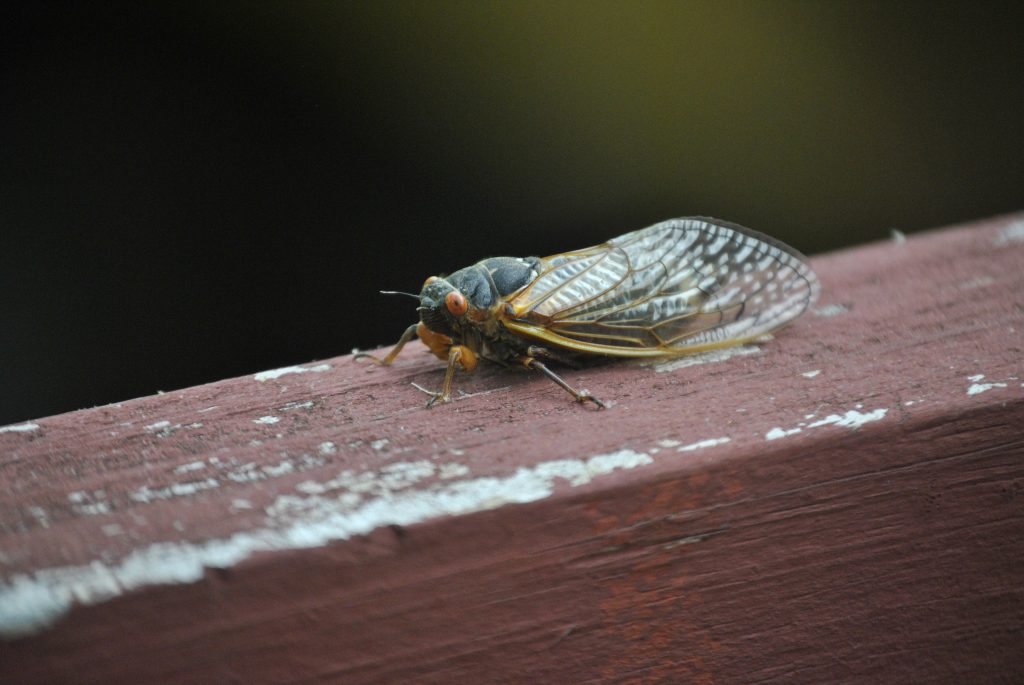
(195, 191)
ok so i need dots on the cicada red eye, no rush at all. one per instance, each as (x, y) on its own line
(456, 303)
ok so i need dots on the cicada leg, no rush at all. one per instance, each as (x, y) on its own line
(580, 395)
(409, 334)
(458, 355)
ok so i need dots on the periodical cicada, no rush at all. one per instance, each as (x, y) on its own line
(679, 287)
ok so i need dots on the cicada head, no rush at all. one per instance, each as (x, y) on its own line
(441, 304)
(445, 302)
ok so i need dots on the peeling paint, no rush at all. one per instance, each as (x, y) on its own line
(272, 374)
(40, 515)
(225, 472)
(706, 358)
(851, 419)
(89, 503)
(977, 282)
(30, 602)
(146, 494)
(712, 442)
(452, 470)
(776, 433)
(292, 406)
(268, 420)
(830, 310)
(164, 428)
(92, 508)
(20, 428)
(811, 374)
(274, 470)
(977, 387)
(1010, 233)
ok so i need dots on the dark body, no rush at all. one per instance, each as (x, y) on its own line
(485, 285)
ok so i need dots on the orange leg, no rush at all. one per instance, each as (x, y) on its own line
(458, 355)
(409, 334)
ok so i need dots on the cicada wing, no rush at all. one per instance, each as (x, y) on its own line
(675, 287)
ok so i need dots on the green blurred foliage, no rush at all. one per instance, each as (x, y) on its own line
(825, 122)
(238, 179)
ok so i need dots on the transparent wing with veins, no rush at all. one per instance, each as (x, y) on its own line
(675, 287)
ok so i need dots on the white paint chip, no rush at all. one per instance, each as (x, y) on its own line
(977, 387)
(811, 374)
(40, 515)
(164, 428)
(92, 508)
(830, 310)
(147, 494)
(712, 442)
(279, 469)
(776, 433)
(263, 376)
(851, 419)
(977, 282)
(354, 504)
(20, 428)
(267, 420)
(452, 470)
(1011, 233)
(291, 406)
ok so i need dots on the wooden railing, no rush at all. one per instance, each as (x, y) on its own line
(843, 503)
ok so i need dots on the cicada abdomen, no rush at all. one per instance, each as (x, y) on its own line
(681, 286)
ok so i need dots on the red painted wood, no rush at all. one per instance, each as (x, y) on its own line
(482, 541)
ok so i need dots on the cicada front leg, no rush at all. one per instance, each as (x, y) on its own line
(530, 361)
(409, 334)
(458, 355)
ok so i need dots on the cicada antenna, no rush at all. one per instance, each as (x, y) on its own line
(398, 292)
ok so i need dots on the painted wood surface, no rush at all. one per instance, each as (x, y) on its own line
(842, 503)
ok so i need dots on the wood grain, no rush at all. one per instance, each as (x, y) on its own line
(840, 504)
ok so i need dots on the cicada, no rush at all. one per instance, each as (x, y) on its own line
(679, 287)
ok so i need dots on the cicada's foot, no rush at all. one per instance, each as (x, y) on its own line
(408, 335)
(435, 397)
(376, 360)
(580, 395)
(583, 396)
